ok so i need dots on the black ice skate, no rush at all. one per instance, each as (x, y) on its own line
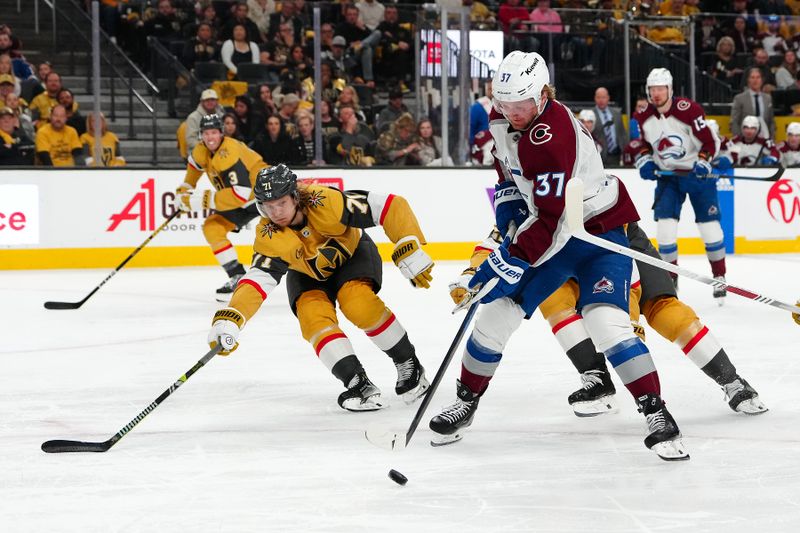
(596, 397)
(720, 292)
(743, 398)
(411, 381)
(449, 425)
(664, 437)
(225, 292)
(361, 395)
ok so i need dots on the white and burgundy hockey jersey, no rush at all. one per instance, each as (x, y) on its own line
(789, 157)
(679, 137)
(748, 154)
(541, 160)
(481, 153)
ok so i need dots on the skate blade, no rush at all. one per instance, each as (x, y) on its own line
(417, 392)
(373, 403)
(752, 407)
(600, 406)
(385, 438)
(671, 450)
(445, 440)
(223, 298)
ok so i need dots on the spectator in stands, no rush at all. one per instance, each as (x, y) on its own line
(7, 71)
(397, 54)
(479, 113)
(354, 143)
(209, 105)
(545, 20)
(633, 124)
(247, 120)
(16, 148)
(297, 64)
(238, 50)
(786, 75)
(329, 124)
(325, 42)
(42, 71)
(430, 145)
(753, 101)
(760, 60)
(370, 12)
(209, 16)
(398, 145)
(772, 41)
(306, 145)
(751, 148)
(165, 25)
(201, 48)
(480, 16)
(44, 103)
(286, 15)
(230, 127)
(511, 14)
(301, 15)
(74, 117)
(260, 10)
(6, 87)
(240, 18)
(7, 42)
(394, 109)
(725, 67)
(348, 96)
(109, 144)
(664, 34)
(708, 34)
(743, 37)
(278, 49)
(288, 106)
(609, 128)
(343, 65)
(790, 148)
(588, 118)
(22, 117)
(360, 40)
(57, 145)
(265, 105)
(331, 85)
(275, 145)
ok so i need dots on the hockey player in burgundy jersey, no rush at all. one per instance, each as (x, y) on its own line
(750, 148)
(790, 148)
(539, 147)
(677, 137)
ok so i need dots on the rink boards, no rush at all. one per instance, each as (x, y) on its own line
(95, 218)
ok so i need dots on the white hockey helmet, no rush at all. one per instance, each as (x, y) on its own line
(793, 128)
(751, 121)
(520, 76)
(659, 77)
(587, 115)
(713, 125)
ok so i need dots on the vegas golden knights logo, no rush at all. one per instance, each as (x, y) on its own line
(330, 256)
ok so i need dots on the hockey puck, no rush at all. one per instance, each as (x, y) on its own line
(397, 477)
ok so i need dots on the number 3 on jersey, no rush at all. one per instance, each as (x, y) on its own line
(551, 182)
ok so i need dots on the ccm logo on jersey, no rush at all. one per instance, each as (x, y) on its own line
(604, 285)
(508, 272)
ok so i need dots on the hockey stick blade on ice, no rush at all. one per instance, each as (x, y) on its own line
(392, 440)
(684, 174)
(62, 446)
(76, 305)
(574, 213)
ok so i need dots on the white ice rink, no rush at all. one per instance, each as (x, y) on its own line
(256, 442)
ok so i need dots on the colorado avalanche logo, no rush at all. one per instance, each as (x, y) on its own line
(786, 195)
(540, 134)
(683, 105)
(604, 285)
(269, 229)
(670, 147)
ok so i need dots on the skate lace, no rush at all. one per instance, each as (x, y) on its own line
(591, 378)
(656, 421)
(733, 388)
(456, 411)
(405, 369)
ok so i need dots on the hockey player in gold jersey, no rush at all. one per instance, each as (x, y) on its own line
(314, 235)
(231, 167)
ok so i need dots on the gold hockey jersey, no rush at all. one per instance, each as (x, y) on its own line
(232, 170)
(328, 238)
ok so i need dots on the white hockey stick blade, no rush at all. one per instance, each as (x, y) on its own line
(385, 438)
(476, 295)
(574, 216)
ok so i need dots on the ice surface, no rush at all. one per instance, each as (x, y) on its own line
(256, 442)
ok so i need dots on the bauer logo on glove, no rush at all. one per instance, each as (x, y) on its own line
(413, 262)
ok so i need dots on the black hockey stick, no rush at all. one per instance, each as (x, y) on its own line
(61, 446)
(392, 440)
(574, 216)
(76, 305)
(684, 174)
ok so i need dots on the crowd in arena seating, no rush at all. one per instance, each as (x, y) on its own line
(40, 121)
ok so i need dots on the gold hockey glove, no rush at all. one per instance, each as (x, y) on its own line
(413, 262)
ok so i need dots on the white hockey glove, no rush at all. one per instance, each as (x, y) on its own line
(459, 288)
(225, 328)
(413, 262)
(188, 199)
